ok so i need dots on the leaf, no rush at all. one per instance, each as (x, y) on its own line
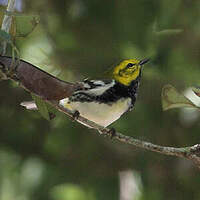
(42, 106)
(171, 98)
(25, 25)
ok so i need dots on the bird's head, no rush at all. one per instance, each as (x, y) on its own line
(128, 70)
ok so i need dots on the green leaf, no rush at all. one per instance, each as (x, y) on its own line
(25, 25)
(171, 98)
(42, 106)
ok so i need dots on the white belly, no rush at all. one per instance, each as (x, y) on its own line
(101, 114)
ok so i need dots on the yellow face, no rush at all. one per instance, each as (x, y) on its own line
(128, 70)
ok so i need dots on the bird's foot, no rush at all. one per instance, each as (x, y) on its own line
(112, 133)
(75, 115)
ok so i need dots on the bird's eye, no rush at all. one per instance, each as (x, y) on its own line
(129, 65)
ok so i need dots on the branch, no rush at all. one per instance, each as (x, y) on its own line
(51, 89)
(190, 152)
(6, 24)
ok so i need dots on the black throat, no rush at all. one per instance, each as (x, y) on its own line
(128, 91)
(119, 91)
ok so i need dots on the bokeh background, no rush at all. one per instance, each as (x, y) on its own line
(77, 39)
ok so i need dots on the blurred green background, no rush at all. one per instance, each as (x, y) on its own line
(76, 39)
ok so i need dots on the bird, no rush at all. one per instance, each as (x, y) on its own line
(104, 101)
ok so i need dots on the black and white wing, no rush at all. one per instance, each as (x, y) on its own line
(92, 90)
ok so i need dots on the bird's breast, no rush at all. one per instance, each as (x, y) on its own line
(100, 113)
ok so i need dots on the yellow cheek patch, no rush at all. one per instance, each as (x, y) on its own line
(127, 76)
(124, 74)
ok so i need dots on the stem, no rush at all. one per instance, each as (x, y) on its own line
(190, 152)
(6, 24)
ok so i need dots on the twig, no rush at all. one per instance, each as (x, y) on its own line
(190, 152)
(6, 24)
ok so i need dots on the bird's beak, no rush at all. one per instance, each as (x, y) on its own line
(144, 61)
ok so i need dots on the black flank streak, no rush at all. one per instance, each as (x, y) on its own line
(111, 95)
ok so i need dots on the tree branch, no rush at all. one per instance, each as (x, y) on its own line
(190, 152)
(49, 87)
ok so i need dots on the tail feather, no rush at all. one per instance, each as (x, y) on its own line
(38, 81)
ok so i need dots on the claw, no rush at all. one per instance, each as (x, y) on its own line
(112, 133)
(76, 115)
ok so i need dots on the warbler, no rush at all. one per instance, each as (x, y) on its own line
(105, 101)
(100, 101)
